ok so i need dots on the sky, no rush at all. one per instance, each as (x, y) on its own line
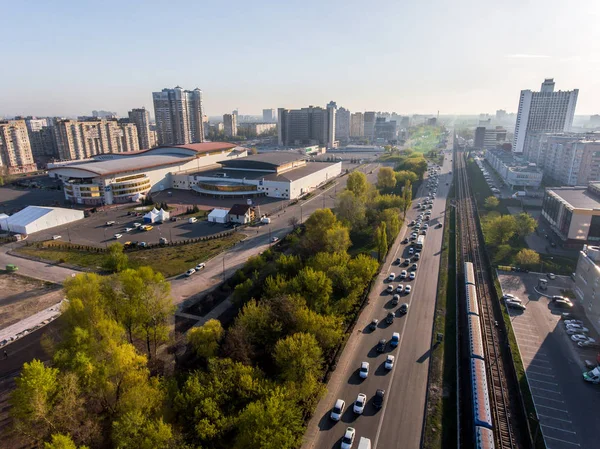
(457, 57)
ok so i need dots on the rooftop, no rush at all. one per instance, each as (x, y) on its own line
(577, 197)
(514, 163)
(290, 175)
(264, 161)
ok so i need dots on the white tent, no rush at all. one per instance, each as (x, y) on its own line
(218, 216)
(151, 216)
(162, 216)
(37, 218)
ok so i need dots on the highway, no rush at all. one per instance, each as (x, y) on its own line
(399, 423)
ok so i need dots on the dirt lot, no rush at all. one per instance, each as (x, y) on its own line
(21, 297)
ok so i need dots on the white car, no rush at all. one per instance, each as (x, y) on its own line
(117, 236)
(392, 276)
(137, 225)
(364, 370)
(576, 330)
(572, 322)
(580, 337)
(414, 236)
(389, 362)
(407, 289)
(200, 266)
(189, 272)
(514, 299)
(551, 276)
(348, 438)
(577, 327)
(411, 250)
(128, 229)
(274, 239)
(403, 274)
(425, 226)
(412, 276)
(508, 296)
(400, 288)
(359, 404)
(390, 288)
(338, 410)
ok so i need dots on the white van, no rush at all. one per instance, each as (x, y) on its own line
(192, 220)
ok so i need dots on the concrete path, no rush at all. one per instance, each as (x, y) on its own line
(29, 324)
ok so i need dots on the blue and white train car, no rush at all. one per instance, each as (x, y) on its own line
(475, 338)
(482, 413)
(469, 273)
(484, 438)
(472, 305)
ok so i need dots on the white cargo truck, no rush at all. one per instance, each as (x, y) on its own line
(364, 443)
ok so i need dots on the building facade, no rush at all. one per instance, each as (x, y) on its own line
(544, 111)
(269, 115)
(15, 149)
(141, 118)
(41, 139)
(305, 126)
(489, 138)
(514, 171)
(369, 125)
(230, 124)
(257, 129)
(385, 130)
(587, 283)
(178, 115)
(85, 139)
(342, 125)
(357, 125)
(331, 117)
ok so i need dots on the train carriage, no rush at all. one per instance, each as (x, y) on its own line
(472, 304)
(475, 338)
(469, 273)
(484, 438)
(482, 413)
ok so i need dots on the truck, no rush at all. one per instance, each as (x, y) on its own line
(592, 376)
(420, 242)
(364, 443)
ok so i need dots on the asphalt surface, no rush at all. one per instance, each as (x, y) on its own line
(554, 364)
(400, 422)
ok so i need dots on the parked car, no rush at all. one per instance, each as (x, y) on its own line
(200, 266)
(507, 296)
(395, 339)
(137, 225)
(389, 362)
(359, 404)
(392, 276)
(414, 267)
(348, 438)
(378, 398)
(189, 272)
(551, 276)
(403, 274)
(58, 237)
(580, 337)
(412, 276)
(142, 245)
(400, 288)
(403, 309)
(411, 251)
(363, 372)
(338, 410)
(515, 305)
(274, 239)
(389, 318)
(407, 289)
(373, 325)
(576, 330)
(578, 322)
(390, 289)
(128, 229)
(395, 300)
(398, 261)
(381, 345)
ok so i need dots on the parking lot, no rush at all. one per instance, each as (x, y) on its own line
(553, 363)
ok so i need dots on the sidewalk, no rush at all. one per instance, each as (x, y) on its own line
(29, 324)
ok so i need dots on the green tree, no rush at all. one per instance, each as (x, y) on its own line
(501, 229)
(528, 258)
(241, 292)
(206, 338)
(526, 224)
(337, 239)
(406, 197)
(416, 164)
(350, 209)
(288, 265)
(381, 241)
(314, 286)
(60, 441)
(392, 223)
(275, 286)
(327, 329)
(405, 175)
(297, 357)
(134, 430)
(1, 181)
(261, 331)
(491, 202)
(357, 183)
(316, 227)
(272, 423)
(381, 202)
(386, 178)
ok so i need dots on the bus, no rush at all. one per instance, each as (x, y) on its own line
(420, 242)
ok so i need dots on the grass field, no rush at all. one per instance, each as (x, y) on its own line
(424, 139)
(168, 260)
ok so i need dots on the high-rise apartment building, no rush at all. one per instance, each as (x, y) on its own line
(269, 115)
(369, 121)
(230, 124)
(15, 149)
(342, 125)
(41, 139)
(489, 138)
(357, 125)
(544, 111)
(312, 125)
(386, 130)
(141, 118)
(178, 115)
(84, 139)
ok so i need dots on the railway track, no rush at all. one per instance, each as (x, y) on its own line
(500, 379)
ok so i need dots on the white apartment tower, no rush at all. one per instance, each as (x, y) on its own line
(141, 118)
(15, 149)
(342, 125)
(544, 111)
(331, 113)
(178, 116)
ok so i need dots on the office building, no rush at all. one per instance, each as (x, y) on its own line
(342, 125)
(178, 115)
(587, 280)
(385, 130)
(269, 115)
(15, 149)
(230, 124)
(256, 129)
(489, 138)
(141, 118)
(308, 126)
(41, 139)
(544, 111)
(84, 139)
(369, 125)
(357, 125)
(573, 213)
(514, 171)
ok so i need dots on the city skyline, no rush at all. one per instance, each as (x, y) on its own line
(417, 60)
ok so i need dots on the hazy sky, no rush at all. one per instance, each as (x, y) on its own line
(68, 57)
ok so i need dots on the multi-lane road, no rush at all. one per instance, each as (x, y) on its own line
(399, 424)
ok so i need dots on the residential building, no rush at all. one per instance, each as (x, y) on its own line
(514, 171)
(230, 124)
(587, 283)
(257, 129)
(357, 125)
(500, 114)
(573, 213)
(331, 115)
(489, 138)
(178, 115)
(305, 126)
(104, 114)
(369, 125)
(269, 115)
(342, 125)
(544, 111)
(15, 149)
(385, 130)
(432, 121)
(84, 139)
(141, 118)
(41, 139)
(242, 214)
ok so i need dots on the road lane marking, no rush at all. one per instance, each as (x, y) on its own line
(538, 374)
(545, 389)
(552, 408)
(548, 399)
(544, 382)
(558, 428)
(562, 441)
(552, 417)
